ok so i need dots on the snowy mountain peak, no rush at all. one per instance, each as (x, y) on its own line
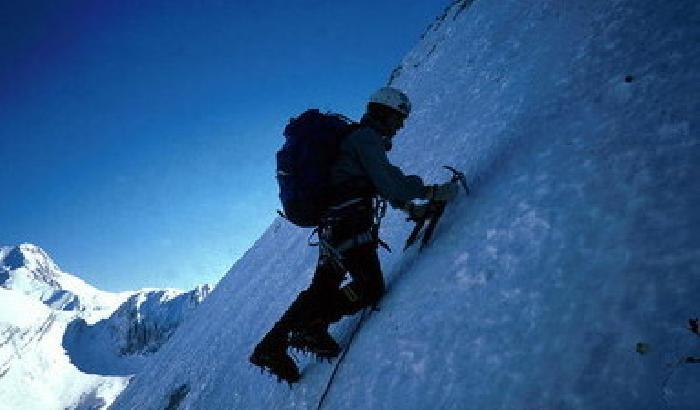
(28, 269)
(36, 261)
(76, 344)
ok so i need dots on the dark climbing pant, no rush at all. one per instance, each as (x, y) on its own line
(328, 301)
(325, 300)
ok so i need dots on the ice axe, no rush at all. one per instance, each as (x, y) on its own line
(458, 176)
(434, 212)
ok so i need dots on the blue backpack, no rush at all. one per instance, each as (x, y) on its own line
(304, 164)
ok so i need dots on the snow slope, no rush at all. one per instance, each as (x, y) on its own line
(564, 282)
(35, 371)
(65, 344)
(37, 302)
(122, 343)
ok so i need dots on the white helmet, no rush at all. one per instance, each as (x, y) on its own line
(392, 98)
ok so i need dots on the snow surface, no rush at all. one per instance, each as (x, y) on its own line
(54, 326)
(577, 125)
(123, 343)
(35, 371)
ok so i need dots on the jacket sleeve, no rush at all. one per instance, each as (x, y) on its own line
(391, 183)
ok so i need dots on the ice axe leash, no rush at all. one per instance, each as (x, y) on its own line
(433, 213)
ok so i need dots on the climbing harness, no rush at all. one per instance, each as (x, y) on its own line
(334, 252)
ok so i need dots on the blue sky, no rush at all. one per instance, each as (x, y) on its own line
(138, 138)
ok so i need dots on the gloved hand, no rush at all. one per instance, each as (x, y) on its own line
(443, 192)
(416, 211)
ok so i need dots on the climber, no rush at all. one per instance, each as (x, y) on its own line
(361, 180)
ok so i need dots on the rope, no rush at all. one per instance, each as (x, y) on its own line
(360, 321)
(379, 212)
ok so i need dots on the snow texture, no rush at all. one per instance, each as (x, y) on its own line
(565, 281)
(35, 371)
(122, 343)
(65, 344)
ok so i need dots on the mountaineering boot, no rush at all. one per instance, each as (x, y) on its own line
(315, 339)
(271, 355)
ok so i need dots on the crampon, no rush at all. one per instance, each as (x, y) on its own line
(277, 363)
(316, 342)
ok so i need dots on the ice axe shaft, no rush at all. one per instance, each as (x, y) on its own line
(414, 233)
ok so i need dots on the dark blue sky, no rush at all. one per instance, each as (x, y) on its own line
(138, 138)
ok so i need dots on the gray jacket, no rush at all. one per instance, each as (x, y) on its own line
(363, 156)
